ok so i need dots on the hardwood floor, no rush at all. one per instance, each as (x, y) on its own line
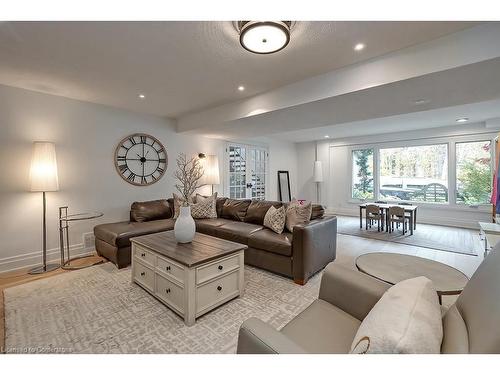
(348, 248)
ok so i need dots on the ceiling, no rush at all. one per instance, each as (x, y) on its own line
(366, 111)
(183, 67)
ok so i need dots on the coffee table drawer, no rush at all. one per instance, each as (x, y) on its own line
(144, 255)
(172, 269)
(212, 293)
(144, 276)
(212, 270)
(170, 292)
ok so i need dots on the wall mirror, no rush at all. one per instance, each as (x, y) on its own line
(284, 186)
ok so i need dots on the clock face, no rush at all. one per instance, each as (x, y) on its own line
(141, 159)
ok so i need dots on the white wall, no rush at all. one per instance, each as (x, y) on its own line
(86, 135)
(335, 191)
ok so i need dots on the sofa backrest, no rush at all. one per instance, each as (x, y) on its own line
(472, 324)
(235, 209)
(150, 210)
(258, 209)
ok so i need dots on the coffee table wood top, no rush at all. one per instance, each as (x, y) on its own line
(393, 268)
(202, 249)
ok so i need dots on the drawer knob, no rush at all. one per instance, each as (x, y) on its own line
(143, 273)
(168, 268)
(143, 255)
(219, 288)
(167, 290)
(220, 267)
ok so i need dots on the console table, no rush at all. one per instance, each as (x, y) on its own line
(491, 233)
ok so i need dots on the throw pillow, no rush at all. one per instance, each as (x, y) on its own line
(204, 208)
(297, 214)
(211, 198)
(178, 202)
(275, 219)
(406, 320)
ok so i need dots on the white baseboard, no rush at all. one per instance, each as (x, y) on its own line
(34, 259)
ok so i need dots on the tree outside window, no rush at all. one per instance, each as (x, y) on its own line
(362, 174)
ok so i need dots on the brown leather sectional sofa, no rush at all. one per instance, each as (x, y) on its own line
(298, 255)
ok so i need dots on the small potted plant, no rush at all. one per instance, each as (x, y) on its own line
(188, 174)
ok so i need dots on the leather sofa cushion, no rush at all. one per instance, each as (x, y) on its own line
(236, 231)
(150, 210)
(235, 209)
(318, 211)
(209, 226)
(323, 328)
(258, 209)
(268, 240)
(119, 234)
(219, 203)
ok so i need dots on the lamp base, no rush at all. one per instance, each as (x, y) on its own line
(43, 269)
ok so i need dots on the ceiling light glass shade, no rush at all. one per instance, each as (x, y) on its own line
(264, 37)
(210, 166)
(43, 171)
(318, 171)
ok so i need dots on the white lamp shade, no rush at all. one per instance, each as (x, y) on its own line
(318, 171)
(210, 170)
(43, 171)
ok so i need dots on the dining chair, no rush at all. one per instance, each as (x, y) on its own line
(408, 214)
(373, 213)
(397, 215)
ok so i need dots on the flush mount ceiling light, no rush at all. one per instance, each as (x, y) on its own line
(241, 88)
(264, 37)
(463, 119)
(359, 47)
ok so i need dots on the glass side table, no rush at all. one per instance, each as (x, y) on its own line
(64, 221)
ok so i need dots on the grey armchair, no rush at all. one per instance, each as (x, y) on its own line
(329, 324)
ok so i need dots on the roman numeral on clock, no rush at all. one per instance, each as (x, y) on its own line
(123, 167)
(131, 177)
(143, 180)
(143, 139)
(132, 140)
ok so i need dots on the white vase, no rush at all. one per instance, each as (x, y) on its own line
(184, 228)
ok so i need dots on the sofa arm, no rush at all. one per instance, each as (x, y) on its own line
(352, 291)
(257, 337)
(314, 246)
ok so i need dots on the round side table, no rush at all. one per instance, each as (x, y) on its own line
(393, 268)
(64, 221)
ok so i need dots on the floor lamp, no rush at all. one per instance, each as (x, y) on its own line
(43, 178)
(211, 171)
(318, 178)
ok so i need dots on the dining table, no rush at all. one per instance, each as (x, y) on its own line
(384, 208)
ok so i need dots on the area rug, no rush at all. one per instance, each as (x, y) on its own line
(99, 310)
(455, 240)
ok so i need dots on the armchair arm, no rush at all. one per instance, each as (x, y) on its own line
(350, 290)
(257, 337)
(314, 246)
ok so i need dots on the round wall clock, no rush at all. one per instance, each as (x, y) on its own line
(140, 159)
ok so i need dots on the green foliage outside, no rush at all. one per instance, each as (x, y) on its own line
(476, 183)
(363, 189)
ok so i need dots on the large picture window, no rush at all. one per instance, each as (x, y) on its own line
(417, 173)
(473, 177)
(362, 174)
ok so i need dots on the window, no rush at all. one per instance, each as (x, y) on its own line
(417, 173)
(473, 177)
(247, 171)
(362, 173)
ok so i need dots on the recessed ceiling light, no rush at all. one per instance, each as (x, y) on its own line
(359, 47)
(264, 37)
(327, 136)
(463, 119)
(241, 88)
(142, 96)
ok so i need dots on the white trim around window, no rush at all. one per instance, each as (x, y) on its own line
(451, 144)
